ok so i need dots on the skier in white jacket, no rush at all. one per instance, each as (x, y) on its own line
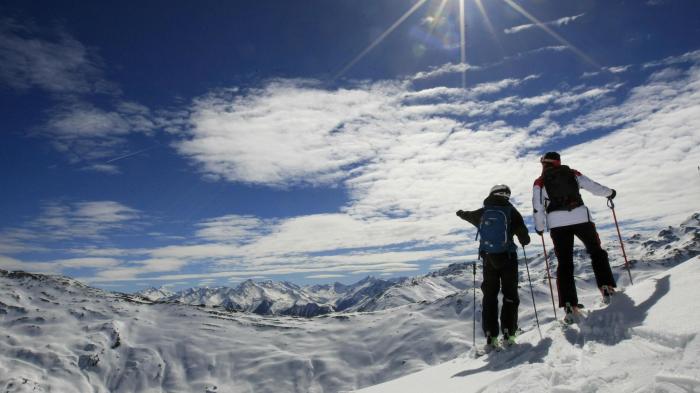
(559, 207)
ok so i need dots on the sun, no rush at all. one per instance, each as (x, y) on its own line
(434, 21)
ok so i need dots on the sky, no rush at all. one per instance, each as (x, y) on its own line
(183, 144)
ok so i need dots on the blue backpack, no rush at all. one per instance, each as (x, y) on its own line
(494, 230)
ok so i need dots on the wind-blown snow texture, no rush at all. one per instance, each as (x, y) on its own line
(59, 335)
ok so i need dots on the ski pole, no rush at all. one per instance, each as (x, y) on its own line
(532, 292)
(549, 276)
(474, 306)
(611, 205)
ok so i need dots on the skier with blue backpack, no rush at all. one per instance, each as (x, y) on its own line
(497, 222)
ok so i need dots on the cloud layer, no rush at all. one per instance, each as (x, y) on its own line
(407, 159)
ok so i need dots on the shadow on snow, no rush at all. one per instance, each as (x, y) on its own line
(613, 324)
(510, 357)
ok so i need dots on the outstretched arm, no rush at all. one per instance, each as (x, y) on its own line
(593, 187)
(472, 216)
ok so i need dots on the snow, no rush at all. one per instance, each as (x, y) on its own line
(645, 341)
(62, 336)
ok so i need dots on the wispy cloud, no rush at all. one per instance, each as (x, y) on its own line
(71, 221)
(54, 62)
(86, 133)
(103, 168)
(445, 69)
(58, 265)
(558, 22)
(58, 64)
(692, 57)
(233, 229)
(133, 270)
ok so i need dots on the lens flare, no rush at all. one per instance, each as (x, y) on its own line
(381, 38)
(489, 24)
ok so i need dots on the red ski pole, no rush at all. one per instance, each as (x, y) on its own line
(474, 306)
(549, 277)
(611, 205)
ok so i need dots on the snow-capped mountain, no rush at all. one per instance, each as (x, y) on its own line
(264, 298)
(284, 298)
(428, 288)
(154, 293)
(671, 244)
(60, 335)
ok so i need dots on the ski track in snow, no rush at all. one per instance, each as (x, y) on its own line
(61, 336)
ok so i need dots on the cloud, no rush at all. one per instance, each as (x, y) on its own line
(103, 168)
(619, 69)
(558, 22)
(410, 159)
(287, 132)
(85, 262)
(232, 229)
(9, 263)
(296, 132)
(652, 156)
(56, 266)
(52, 61)
(137, 268)
(404, 195)
(325, 276)
(692, 57)
(91, 220)
(59, 64)
(445, 69)
(85, 132)
(663, 89)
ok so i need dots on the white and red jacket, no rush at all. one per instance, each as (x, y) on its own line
(561, 218)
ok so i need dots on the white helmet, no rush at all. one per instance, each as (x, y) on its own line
(500, 190)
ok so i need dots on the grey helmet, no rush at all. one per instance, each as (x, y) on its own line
(500, 190)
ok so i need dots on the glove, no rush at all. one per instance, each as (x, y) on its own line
(524, 242)
(459, 213)
(539, 232)
(612, 196)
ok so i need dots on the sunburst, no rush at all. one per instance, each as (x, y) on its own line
(435, 19)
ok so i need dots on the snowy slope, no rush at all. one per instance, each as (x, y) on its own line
(428, 288)
(60, 335)
(647, 340)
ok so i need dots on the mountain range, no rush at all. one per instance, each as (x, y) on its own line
(62, 335)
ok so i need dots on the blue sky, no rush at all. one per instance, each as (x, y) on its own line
(185, 144)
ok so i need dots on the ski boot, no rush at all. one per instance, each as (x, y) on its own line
(571, 314)
(492, 345)
(607, 291)
(508, 339)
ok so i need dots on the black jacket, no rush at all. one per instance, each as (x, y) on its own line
(517, 227)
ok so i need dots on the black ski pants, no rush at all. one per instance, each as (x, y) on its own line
(500, 274)
(563, 239)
